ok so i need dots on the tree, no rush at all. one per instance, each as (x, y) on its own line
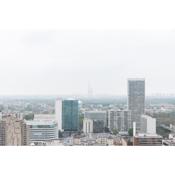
(115, 131)
(29, 116)
(130, 132)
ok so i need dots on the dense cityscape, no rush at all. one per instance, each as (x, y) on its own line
(135, 120)
(87, 87)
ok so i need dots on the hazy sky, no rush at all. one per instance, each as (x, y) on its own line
(58, 62)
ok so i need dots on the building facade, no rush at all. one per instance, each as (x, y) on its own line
(13, 131)
(42, 130)
(119, 120)
(2, 133)
(67, 115)
(147, 140)
(136, 99)
(97, 115)
(93, 126)
(148, 124)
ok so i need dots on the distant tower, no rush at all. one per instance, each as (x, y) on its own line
(90, 91)
(136, 100)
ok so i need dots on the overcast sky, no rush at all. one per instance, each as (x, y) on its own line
(58, 62)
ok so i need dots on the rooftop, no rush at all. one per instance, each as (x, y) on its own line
(148, 117)
(146, 135)
(136, 79)
(44, 116)
(40, 122)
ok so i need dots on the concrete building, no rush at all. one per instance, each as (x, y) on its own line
(2, 133)
(93, 126)
(66, 113)
(96, 115)
(170, 141)
(119, 120)
(136, 99)
(148, 124)
(87, 125)
(13, 131)
(147, 140)
(42, 130)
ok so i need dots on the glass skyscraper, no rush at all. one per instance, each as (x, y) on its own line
(70, 115)
(67, 115)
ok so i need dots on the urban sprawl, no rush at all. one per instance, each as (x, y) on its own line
(132, 121)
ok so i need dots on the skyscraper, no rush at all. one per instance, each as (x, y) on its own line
(66, 112)
(136, 99)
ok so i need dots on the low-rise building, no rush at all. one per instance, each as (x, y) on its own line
(42, 130)
(147, 140)
(170, 141)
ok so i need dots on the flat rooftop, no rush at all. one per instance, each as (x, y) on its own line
(145, 135)
(44, 117)
(136, 79)
(40, 122)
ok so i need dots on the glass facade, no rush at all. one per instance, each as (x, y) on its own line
(70, 115)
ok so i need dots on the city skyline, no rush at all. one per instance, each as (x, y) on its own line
(86, 51)
(57, 62)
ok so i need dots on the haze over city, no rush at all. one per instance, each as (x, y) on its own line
(57, 62)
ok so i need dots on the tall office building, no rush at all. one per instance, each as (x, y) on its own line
(13, 131)
(136, 99)
(66, 112)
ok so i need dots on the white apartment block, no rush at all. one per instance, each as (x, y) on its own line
(87, 126)
(148, 124)
(119, 120)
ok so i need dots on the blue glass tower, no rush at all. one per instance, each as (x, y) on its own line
(70, 119)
